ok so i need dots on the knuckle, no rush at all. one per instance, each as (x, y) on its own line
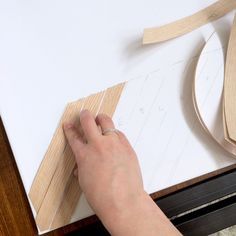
(75, 137)
(98, 144)
(105, 144)
(85, 117)
(104, 117)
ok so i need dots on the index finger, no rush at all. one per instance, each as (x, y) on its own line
(89, 126)
(73, 137)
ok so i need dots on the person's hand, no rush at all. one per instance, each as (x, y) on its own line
(108, 169)
(108, 173)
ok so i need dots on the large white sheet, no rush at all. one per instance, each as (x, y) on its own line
(54, 52)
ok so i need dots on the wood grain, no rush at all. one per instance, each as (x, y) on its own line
(230, 86)
(188, 24)
(106, 104)
(48, 214)
(70, 200)
(65, 166)
(15, 214)
(54, 195)
(48, 166)
(111, 99)
(227, 139)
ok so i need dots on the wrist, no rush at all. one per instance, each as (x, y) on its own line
(137, 217)
(115, 214)
(124, 214)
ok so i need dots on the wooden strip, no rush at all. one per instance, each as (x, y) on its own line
(66, 209)
(188, 24)
(228, 141)
(54, 195)
(52, 201)
(93, 102)
(111, 99)
(230, 86)
(49, 164)
(70, 200)
(209, 117)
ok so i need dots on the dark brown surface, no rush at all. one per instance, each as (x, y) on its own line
(15, 214)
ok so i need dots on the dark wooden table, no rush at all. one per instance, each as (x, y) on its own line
(16, 217)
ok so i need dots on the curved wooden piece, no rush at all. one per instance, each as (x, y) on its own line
(208, 92)
(188, 24)
(230, 87)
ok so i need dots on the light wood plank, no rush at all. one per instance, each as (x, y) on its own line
(188, 24)
(70, 200)
(228, 141)
(54, 195)
(230, 86)
(111, 99)
(108, 105)
(49, 164)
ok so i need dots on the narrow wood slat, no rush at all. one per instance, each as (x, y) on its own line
(49, 164)
(54, 195)
(111, 99)
(188, 24)
(93, 102)
(228, 141)
(225, 143)
(108, 105)
(62, 174)
(230, 86)
(70, 200)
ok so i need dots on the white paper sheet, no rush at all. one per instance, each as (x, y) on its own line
(54, 52)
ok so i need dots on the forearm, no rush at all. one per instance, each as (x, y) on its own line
(140, 217)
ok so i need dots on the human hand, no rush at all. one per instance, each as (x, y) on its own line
(108, 170)
(110, 177)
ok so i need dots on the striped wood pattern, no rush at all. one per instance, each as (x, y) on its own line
(60, 193)
(188, 24)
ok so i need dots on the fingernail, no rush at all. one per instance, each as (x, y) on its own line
(84, 112)
(68, 125)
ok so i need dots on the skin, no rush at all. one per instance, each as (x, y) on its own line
(110, 177)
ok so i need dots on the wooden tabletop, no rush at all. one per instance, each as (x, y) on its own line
(15, 214)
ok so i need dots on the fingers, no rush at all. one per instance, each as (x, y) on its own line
(105, 122)
(73, 137)
(89, 125)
